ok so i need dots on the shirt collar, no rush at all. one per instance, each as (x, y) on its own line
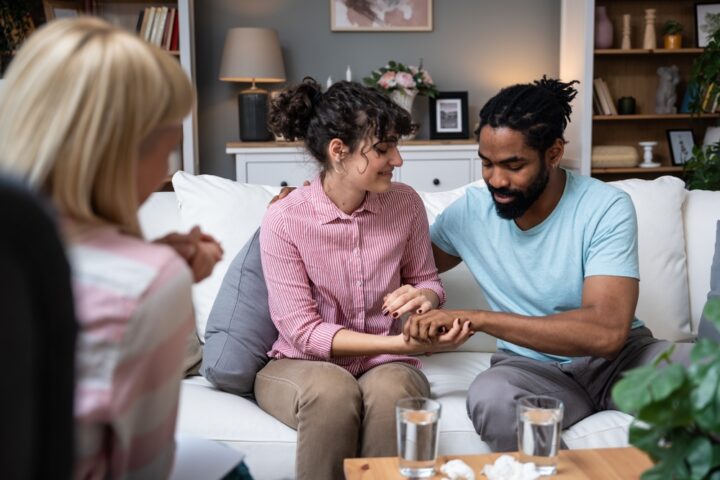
(327, 211)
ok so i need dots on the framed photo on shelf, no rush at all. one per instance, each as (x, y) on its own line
(707, 20)
(681, 143)
(449, 115)
(61, 9)
(380, 15)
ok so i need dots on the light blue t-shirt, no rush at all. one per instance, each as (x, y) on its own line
(540, 271)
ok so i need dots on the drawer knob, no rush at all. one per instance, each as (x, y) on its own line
(283, 183)
(436, 181)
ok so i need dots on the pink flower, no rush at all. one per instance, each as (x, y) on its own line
(405, 80)
(413, 70)
(427, 78)
(387, 80)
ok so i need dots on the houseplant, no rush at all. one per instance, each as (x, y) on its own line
(677, 410)
(402, 82)
(702, 171)
(704, 76)
(672, 34)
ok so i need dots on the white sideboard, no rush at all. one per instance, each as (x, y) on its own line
(428, 165)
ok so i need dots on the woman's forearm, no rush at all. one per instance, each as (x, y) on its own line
(347, 343)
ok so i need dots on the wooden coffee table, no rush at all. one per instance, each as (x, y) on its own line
(592, 464)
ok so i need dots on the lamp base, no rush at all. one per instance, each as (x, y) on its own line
(253, 113)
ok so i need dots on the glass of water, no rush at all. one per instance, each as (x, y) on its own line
(539, 426)
(417, 436)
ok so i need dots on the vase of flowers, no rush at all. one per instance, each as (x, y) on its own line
(403, 83)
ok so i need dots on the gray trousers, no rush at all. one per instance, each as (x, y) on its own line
(584, 385)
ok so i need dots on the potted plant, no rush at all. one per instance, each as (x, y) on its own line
(677, 410)
(15, 24)
(702, 171)
(672, 34)
(704, 75)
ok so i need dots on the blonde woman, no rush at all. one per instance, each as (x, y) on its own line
(88, 116)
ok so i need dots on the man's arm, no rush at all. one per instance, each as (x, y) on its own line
(598, 328)
(443, 260)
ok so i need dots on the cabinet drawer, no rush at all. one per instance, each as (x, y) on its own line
(279, 173)
(436, 175)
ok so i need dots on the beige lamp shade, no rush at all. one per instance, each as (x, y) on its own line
(252, 55)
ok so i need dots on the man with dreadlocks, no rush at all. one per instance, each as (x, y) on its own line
(556, 255)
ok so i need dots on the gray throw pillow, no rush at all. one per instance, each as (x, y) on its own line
(707, 329)
(239, 330)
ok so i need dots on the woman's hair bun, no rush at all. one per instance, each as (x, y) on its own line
(292, 110)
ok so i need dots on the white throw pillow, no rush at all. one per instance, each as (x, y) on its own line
(664, 295)
(227, 210)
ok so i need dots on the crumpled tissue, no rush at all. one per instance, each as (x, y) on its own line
(507, 468)
(457, 470)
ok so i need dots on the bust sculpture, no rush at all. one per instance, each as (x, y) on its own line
(666, 95)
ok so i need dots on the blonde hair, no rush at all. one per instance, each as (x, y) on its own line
(78, 99)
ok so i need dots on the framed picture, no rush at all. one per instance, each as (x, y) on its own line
(449, 115)
(681, 143)
(380, 15)
(707, 21)
(61, 9)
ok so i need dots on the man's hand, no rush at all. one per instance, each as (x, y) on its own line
(284, 192)
(200, 250)
(408, 299)
(430, 326)
(450, 340)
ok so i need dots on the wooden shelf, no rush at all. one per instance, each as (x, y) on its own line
(654, 116)
(661, 169)
(469, 141)
(643, 51)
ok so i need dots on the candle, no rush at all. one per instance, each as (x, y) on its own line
(329, 82)
(348, 74)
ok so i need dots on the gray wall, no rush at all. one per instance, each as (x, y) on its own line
(476, 45)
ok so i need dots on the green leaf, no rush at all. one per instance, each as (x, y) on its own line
(712, 312)
(707, 390)
(647, 439)
(667, 380)
(641, 386)
(704, 348)
(700, 456)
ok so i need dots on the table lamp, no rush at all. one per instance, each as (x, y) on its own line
(252, 55)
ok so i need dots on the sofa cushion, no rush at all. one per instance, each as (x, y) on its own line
(664, 296)
(239, 330)
(702, 212)
(707, 329)
(229, 211)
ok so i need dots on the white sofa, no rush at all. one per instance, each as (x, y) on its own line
(676, 240)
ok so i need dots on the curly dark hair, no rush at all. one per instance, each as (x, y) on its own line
(539, 110)
(348, 111)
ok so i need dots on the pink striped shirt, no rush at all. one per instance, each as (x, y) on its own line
(134, 308)
(326, 270)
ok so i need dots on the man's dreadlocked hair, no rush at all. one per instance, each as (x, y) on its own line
(539, 110)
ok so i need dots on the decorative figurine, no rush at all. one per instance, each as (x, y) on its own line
(648, 155)
(649, 40)
(625, 44)
(666, 94)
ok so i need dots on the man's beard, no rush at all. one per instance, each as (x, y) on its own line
(522, 200)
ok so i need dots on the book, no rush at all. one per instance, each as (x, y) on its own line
(167, 35)
(141, 16)
(175, 42)
(159, 25)
(149, 24)
(597, 107)
(602, 99)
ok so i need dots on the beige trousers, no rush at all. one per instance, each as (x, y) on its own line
(336, 415)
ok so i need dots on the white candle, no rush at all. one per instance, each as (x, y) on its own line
(329, 82)
(348, 74)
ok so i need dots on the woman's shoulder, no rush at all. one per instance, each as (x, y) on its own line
(402, 194)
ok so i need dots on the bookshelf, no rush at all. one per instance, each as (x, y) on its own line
(125, 13)
(627, 73)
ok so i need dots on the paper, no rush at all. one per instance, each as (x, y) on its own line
(457, 470)
(202, 459)
(507, 468)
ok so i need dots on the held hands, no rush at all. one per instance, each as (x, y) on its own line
(450, 340)
(408, 299)
(284, 192)
(431, 325)
(200, 250)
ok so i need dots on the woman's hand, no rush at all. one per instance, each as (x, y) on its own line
(446, 342)
(408, 299)
(200, 250)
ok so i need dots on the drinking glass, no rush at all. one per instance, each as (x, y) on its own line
(417, 436)
(539, 426)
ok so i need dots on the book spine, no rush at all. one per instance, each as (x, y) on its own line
(167, 35)
(150, 24)
(608, 95)
(139, 25)
(597, 83)
(175, 43)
